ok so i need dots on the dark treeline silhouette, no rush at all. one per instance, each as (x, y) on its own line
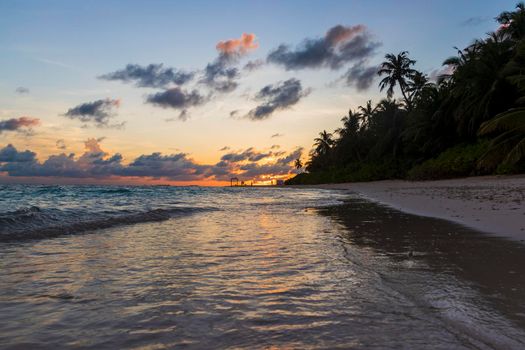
(470, 122)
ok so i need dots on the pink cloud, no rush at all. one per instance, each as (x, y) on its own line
(15, 124)
(340, 34)
(238, 46)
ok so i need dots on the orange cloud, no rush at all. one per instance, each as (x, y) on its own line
(238, 46)
(93, 145)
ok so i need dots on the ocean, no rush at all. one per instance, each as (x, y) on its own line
(151, 267)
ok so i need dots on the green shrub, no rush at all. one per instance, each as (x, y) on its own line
(351, 173)
(457, 161)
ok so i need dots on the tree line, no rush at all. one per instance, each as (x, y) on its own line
(471, 121)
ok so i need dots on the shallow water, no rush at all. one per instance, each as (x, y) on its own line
(247, 268)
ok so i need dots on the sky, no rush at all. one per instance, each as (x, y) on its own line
(197, 92)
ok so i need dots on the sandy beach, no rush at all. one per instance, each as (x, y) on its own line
(491, 204)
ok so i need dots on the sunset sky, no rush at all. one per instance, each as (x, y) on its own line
(197, 92)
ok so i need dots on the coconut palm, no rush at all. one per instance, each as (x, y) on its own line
(323, 143)
(508, 147)
(366, 113)
(350, 124)
(417, 83)
(512, 23)
(298, 164)
(398, 71)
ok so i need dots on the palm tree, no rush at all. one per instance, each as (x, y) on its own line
(323, 143)
(480, 88)
(350, 124)
(298, 164)
(397, 70)
(508, 147)
(367, 113)
(513, 22)
(416, 84)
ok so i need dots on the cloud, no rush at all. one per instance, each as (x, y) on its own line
(249, 154)
(253, 65)
(239, 46)
(280, 96)
(22, 90)
(221, 75)
(18, 124)
(437, 74)
(94, 163)
(61, 144)
(177, 98)
(99, 112)
(92, 145)
(339, 46)
(152, 75)
(11, 155)
(360, 76)
(225, 148)
(278, 167)
(98, 164)
(475, 21)
(175, 167)
(276, 135)
(253, 164)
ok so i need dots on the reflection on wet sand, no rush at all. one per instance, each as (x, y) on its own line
(493, 265)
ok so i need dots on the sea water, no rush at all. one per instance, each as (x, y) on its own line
(108, 267)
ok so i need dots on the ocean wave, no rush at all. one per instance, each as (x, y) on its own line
(36, 223)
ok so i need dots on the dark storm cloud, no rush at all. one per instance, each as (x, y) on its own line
(99, 112)
(279, 96)
(152, 75)
(18, 124)
(22, 90)
(177, 98)
(360, 76)
(339, 46)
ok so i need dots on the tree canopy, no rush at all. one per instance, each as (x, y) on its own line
(470, 121)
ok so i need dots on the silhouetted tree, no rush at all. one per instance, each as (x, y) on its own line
(398, 71)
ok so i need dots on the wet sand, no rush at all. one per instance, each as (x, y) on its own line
(491, 204)
(490, 264)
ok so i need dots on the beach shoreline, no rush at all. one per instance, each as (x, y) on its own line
(490, 204)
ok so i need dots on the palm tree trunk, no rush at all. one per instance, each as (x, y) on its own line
(407, 100)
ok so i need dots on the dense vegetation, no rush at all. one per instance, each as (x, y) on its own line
(470, 122)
